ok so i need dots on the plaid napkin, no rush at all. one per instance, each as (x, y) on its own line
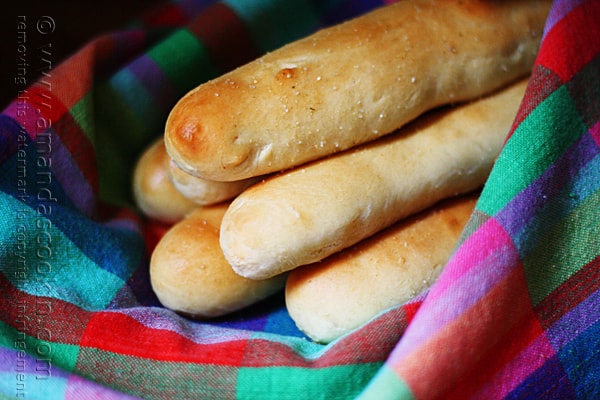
(516, 313)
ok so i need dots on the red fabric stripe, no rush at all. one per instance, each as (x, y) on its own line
(44, 318)
(165, 15)
(373, 342)
(48, 107)
(563, 57)
(79, 147)
(411, 309)
(119, 333)
(54, 114)
(225, 37)
(457, 357)
(503, 349)
(564, 298)
(153, 231)
(542, 83)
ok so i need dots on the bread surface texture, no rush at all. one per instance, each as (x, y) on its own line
(205, 192)
(153, 191)
(330, 298)
(306, 214)
(351, 83)
(189, 274)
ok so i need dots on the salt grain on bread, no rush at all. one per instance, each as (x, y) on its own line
(351, 83)
(329, 299)
(304, 215)
(189, 274)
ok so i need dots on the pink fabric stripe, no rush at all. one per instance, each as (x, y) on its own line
(516, 370)
(461, 356)
(482, 261)
(595, 132)
(559, 9)
(25, 114)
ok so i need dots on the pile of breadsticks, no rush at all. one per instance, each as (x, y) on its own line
(341, 167)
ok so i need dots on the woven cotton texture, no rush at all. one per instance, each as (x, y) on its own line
(515, 314)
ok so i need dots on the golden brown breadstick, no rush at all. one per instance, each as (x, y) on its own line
(351, 83)
(332, 297)
(304, 215)
(202, 191)
(189, 274)
(153, 192)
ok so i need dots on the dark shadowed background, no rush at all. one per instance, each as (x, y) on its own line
(75, 23)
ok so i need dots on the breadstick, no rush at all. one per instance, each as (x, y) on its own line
(330, 298)
(202, 191)
(153, 192)
(351, 83)
(304, 215)
(189, 274)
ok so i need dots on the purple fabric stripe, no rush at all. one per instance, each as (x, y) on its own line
(123, 46)
(527, 203)
(25, 115)
(191, 8)
(573, 323)
(122, 223)
(152, 77)
(62, 165)
(163, 319)
(79, 388)
(17, 360)
(560, 8)
(72, 181)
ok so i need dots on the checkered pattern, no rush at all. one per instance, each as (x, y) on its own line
(515, 314)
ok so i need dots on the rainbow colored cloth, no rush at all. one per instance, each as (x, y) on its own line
(515, 314)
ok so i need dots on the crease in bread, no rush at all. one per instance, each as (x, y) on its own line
(189, 274)
(205, 192)
(351, 83)
(330, 298)
(306, 214)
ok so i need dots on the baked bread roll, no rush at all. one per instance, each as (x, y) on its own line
(351, 83)
(304, 215)
(153, 192)
(189, 274)
(202, 191)
(333, 297)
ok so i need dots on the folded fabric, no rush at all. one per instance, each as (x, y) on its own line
(515, 314)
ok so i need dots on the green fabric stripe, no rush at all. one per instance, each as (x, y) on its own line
(116, 127)
(63, 356)
(140, 100)
(184, 60)
(272, 24)
(151, 379)
(50, 260)
(569, 245)
(128, 117)
(528, 153)
(277, 383)
(386, 385)
(116, 112)
(83, 114)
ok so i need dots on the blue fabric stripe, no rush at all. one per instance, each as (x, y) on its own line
(581, 359)
(546, 382)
